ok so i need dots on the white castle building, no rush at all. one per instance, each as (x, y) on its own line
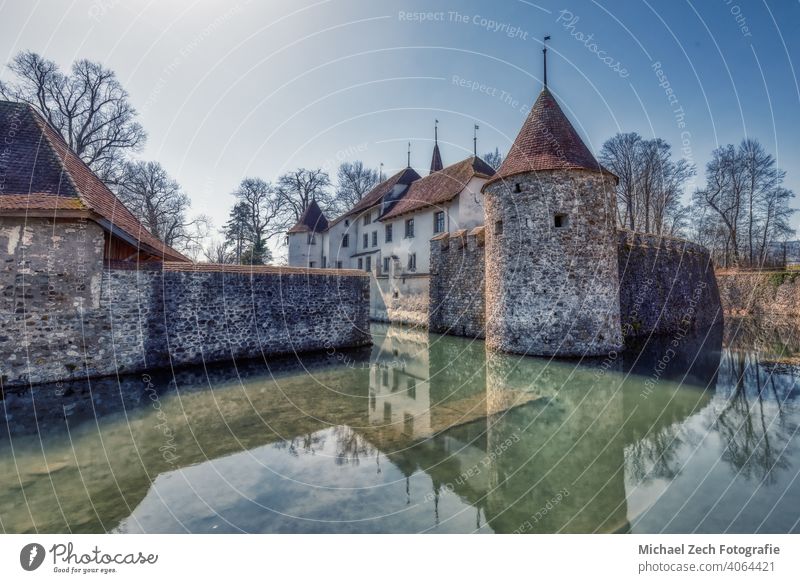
(388, 232)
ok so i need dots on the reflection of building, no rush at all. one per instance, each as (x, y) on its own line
(567, 461)
(399, 386)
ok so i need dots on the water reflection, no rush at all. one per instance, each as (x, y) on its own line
(421, 433)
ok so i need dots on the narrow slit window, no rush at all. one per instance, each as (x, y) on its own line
(560, 221)
(498, 228)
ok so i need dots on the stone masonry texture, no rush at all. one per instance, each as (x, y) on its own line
(667, 286)
(552, 284)
(64, 316)
(457, 300)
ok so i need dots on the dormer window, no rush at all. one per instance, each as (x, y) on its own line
(367, 218)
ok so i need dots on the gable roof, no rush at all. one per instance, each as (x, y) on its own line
(547, 141)
(375, 196)
(312, 220)
(440, 187)
(41, 173)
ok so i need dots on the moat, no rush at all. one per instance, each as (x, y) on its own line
(422, 433)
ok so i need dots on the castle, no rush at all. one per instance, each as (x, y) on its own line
(528, 257)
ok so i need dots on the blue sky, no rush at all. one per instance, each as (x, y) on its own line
(245, 88)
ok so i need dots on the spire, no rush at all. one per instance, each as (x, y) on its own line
(380, 173)
(436, 159)
(475, 140)
(544, 54)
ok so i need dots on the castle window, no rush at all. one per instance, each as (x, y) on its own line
(560, 221)
(311, 240)
(324, 262)
(409, 228)
(498, 227)
(338, 265)
(386, 265)
(346, 240)
(388, 233)
(374, 238)
(438, 222)
(368, 264)
(517, 187)
(360, 263)
(412, 261)
(367, 218)
(347, 222)
(311, 264)
(366, 240)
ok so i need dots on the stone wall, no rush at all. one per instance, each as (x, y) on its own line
(401, 299)
(64, 316)
(666, 285)
(457, 298)
(765, 293)
(552, 284)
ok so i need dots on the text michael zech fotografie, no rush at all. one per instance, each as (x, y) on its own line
(710, 549)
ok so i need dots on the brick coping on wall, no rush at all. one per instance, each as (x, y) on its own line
(175, 266)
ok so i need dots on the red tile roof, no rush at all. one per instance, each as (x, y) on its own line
(547, 141)
(440, 187)
(312, 219)
(41, 172)
(375, 196)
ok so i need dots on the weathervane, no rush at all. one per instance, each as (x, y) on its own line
(544, 52)
(475, 140)
(409, 154)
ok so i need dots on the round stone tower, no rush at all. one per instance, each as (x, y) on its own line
(552, 280)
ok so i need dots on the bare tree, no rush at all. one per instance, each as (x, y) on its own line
(353, 181)
(650, 184)
(88, 106)
(218, 251)
(493, 159)
(620, 155)
(298, 188)
(160, 204)
(744, 206)
(262, 207)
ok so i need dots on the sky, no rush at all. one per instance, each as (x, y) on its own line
(236, 88)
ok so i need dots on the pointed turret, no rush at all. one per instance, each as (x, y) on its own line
(436, 159)
(312, 219)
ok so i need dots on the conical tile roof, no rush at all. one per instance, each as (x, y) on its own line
(312, 219)
(547, 141)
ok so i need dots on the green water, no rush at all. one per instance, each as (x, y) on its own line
(422, 433)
